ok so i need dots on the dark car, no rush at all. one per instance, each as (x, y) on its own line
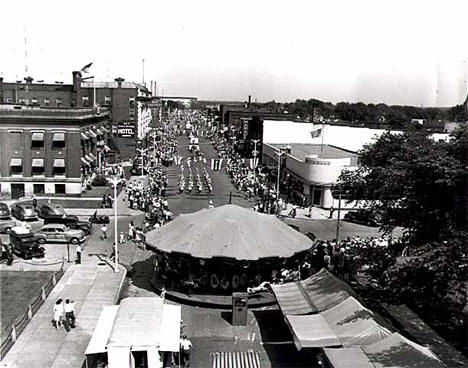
(4, 211)
(24, 211)
(52, 211)
(26, 245)
(364, 217)
(85, 226)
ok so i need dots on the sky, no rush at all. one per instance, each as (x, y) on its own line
(395, 52)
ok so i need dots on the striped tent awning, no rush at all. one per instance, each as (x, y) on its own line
(235, 359)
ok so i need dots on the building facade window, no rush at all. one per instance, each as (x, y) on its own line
(37, 167)
(60, 189)
(37, 140)
(85, 101)
(46, 102)
(58, 102)
(34, 100)
(15, 140)
(8, 99)
(38, 189)
(58, 141)
(59, 166)
(107, 100)
(16, 166)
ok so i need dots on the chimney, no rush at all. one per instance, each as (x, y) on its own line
(77, 91)
(119, 82)
(250, 100)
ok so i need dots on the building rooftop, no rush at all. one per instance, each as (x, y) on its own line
(112, 85)
(23, 111)
(301, 151)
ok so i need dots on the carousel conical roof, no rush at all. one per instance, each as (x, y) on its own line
(229, 231)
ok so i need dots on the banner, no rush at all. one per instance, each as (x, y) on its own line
(126, 129)
(316, 133)
(216, 164)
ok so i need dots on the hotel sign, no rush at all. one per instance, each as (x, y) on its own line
(126, 129)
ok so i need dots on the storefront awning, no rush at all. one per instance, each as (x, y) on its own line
(100, 143)
(104, 129)
(103, 328)
(106, 148)
(59, 162)
(58, 137)
(99, 131)
(235, 359)
(83, 160)
(16, 162)
(38, 162)
(92, 156)
(91, 134)
(84, 136)
(89, 158)
(37, 136)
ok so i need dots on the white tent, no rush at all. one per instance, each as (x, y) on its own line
(138, 328)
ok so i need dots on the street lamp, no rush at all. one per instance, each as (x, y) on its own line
(255, 153)
(115, 182)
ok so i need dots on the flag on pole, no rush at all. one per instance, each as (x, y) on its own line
(253, 163)
(85, 69)
(216, 164)
(316, 133)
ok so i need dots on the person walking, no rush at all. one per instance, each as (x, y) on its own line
(69, 309)
(78, 254)
(121, 237)
(185, 347)
(103, 232)
(58, 313)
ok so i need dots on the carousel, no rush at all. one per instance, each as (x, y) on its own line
(223, 249)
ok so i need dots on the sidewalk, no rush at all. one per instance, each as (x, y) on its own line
(92, 285)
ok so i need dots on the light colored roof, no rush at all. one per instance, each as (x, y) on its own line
(347, 324)
(103, 328)
(394, 351)
(146, 322)
(319, 292)
(229, 231)
(345, 137)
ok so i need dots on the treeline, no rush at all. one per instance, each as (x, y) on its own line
(369, 114)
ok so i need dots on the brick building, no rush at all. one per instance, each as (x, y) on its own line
(128, 103)
(50, 151)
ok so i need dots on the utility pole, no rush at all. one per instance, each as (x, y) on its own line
(114, 182)
(143, 71)
(142, 153)
(338, 219)
(280, 154)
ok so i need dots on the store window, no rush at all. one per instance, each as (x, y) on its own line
(38, 189)
(60, 189)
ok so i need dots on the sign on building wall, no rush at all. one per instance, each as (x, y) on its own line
(126, 129)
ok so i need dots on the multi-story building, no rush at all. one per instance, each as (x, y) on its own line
(127, 102)
(49, 151)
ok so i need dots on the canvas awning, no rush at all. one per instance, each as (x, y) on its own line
(229, 231)
(16, 162)
(59, 137)
(106, 148)
(394, 351)
(99, 131)
(83, 160)
(84, 136)
(311, 332)
(91, 134)
(146, 322)
(319, 292)
(104, 129)
(235, 359)
(59, 162)
(37, 136)
(92, 156)
(103, 328)
(346, 324)
(89, 158)
(37, 162)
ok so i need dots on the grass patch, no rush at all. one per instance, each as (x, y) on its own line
(18, 290)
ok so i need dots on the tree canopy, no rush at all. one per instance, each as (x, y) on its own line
(414, 182)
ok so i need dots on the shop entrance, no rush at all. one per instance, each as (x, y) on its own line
(17, 191)
(317, 196)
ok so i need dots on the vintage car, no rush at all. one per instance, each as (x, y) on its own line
(59, 233)
(7, 225)
(51, 211)
(4, 211)
(25, 244)
(24, 211)
(364, 217)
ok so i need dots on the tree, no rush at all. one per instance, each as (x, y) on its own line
(414, 182)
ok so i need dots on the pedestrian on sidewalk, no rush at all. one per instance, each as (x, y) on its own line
(103, 232)
(58, 314)
(186, 347)
(70, 312)
(121, 237)
(78, 254)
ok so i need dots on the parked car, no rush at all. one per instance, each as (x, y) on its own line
(364, 217)
(4, 211)
(59, 233)
(24, 211)
(53, 211)
(7, 225)
(85, 226)
(25, 244)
